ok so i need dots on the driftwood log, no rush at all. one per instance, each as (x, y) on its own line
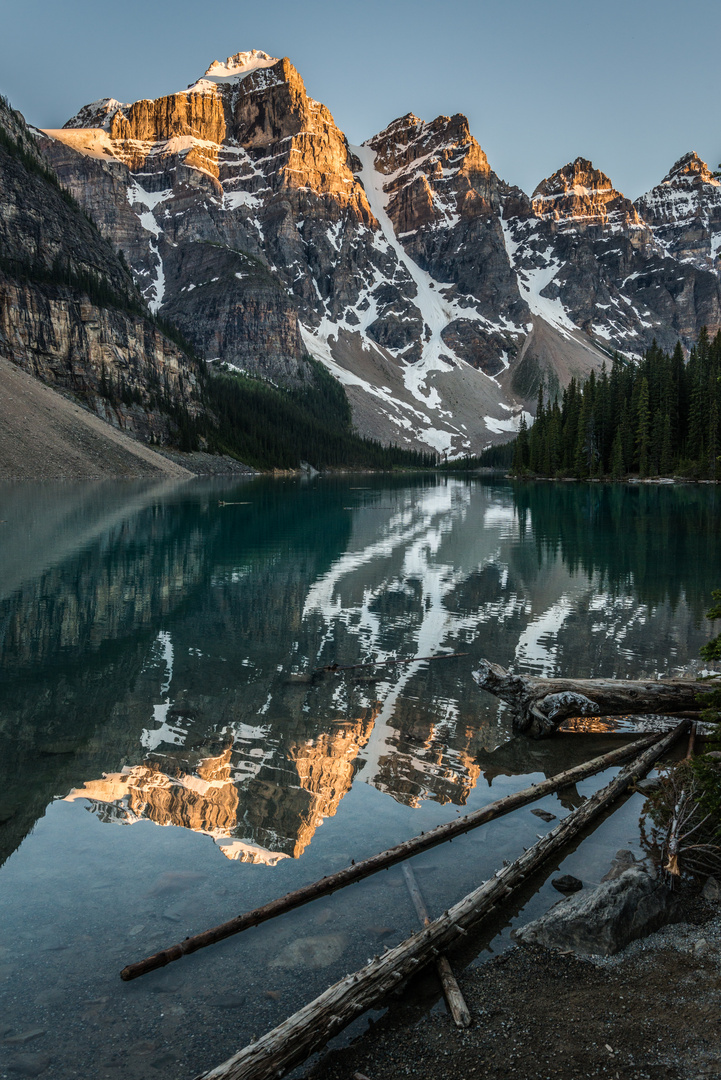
(540, 705)
(451, 990)
(357, 871)
(309, 1029)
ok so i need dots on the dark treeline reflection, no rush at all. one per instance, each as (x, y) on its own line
(105, 571)
(92, 575)
(661, 541)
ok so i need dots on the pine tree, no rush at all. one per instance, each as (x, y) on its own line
(665, 467)
(521, 454)
(618, 468)
(643, 428)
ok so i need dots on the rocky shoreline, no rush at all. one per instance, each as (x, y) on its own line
(650, 1011)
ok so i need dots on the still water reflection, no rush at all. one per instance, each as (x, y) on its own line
(157, 644)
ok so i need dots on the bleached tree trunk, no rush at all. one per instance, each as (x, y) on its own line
(540, 705)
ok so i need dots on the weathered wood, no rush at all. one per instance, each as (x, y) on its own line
(318, 674)
(309, 1029)
(391, 663)
(691, 742)
(540, 705)
(451, 990)
(357, 871)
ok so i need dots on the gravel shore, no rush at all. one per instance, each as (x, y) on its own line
(653, 1011)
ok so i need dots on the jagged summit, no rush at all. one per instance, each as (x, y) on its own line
(409, 139)
(684, 211)
(690, 167)
(581, 192)
(98, 114)
(236, 67)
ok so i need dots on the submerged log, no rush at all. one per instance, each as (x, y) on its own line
(451, 990)
(540, 705)
(381, 861)
(309, 1029)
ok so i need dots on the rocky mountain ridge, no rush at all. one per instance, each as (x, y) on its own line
(70, 313)
(439, 294)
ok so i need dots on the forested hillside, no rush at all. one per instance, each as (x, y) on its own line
(656, 418)
(270, 427)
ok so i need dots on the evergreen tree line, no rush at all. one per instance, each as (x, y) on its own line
(493, 457)
(656, 418)
(268, 427)
(91, 283)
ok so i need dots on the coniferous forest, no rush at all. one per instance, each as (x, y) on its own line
(659, 417)
(268, 427)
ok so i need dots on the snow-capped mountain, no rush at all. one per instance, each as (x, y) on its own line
(436, 292)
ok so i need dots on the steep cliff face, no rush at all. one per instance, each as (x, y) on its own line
(444, 201)
(439, 294)
(69, 310)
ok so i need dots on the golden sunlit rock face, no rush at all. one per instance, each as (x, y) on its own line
(435, 170)
(266, 112)
(258, 817)
(251, 224)
(326, 770)
(585, 195)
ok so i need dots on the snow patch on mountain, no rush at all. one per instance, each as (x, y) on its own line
(535, 270)
(233, 70)
(436, 309)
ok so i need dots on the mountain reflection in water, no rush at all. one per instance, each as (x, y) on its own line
(148, 634)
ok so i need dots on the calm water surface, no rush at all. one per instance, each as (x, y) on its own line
(162, 768)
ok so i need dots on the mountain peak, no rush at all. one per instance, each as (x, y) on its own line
(580, 192)
(241, 63)
(690, 167)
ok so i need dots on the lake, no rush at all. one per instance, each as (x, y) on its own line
(165, 764)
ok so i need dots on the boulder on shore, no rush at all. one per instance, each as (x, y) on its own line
(604, 920)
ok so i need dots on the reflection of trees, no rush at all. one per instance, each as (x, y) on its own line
(623, 533)
(75, 641)
(227, 586)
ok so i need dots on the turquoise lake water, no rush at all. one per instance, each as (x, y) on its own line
(163, 767)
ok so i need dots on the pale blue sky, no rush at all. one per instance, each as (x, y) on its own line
(632, 84)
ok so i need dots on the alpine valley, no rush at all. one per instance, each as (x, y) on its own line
(439, 295)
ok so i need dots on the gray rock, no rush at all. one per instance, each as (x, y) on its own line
(567, 883)
(605, 919)
(29, 1064)
(544, 815)
(25, 1036)
(623, 860)
(711, 890)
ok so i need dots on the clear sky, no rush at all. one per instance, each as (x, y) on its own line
(631, 84)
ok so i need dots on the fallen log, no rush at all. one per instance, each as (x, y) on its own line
(540, 705)
(390, 663)
(381, 861)
(451, 990)
(309, 1029)
(317, 674)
